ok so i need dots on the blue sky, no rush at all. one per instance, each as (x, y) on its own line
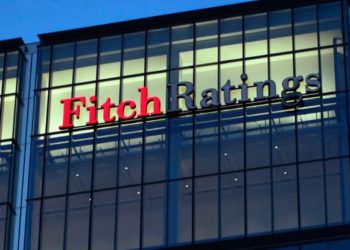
(27, 18)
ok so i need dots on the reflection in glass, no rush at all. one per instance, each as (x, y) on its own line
(86, 59)
(43, 67)
(6, 165)
(255, 35)
(330, 24)
(231, 38)
(110, 57)
(32, 225)
(157, 49)
(134, 53)
(206, 42)
(3, 212)
(182, 46)
(305, 27)
(280, 31)
(12, 64)
(36, 167)
(8, 117)
(62, 64)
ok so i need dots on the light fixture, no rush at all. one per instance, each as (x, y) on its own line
(285, 172)
(187, 186)
(126, 168)
(225, 154)
(276, 147)
(236, 179)
(138, 193)
(77, 175)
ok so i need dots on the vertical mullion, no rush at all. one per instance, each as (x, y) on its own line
(194, 46)
(219, 127)
(2, 92)
(48, 113)
(94, 146)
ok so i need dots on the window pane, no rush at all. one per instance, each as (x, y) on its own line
(256, 35)
(56, 107)
(206, 206)
(44, 67)
(281, 67)
(206, 42)
(110, 56)
(180, 212)
(330, 23)
(103, 224)
(178, 76)
(41, 111)
(129, 88)
(8, 117)
(86, 61)
(12, 62)
(158, 49)
(52, 230)
(312, 201)
(32, 225)
(305, 27)
(182, 46)
(6, 165)
(108, 89)
(154, 215)
(157, 86)
(134, 53)
(280, 31)
(259, 201)
(285, 198)
(36, 167)
(62, 64)
(129, 204)
(77, 229)
(3, 212)
(85, 90)
(206, 78)
(232, 205)
(231, 38)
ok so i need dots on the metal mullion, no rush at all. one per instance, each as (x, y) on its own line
(2, 92)
(18, 71)
(48, 113)
(194, 47)
(322, 116)
(70, 133)
(115, 243)
(296, 125)
(94, 147)
(219, 128)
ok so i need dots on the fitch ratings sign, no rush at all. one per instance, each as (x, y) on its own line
(291, 96)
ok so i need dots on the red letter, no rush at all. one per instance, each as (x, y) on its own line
(107, 105)
(68, 112)
(145, 100)
(121, 110)
(92, 112)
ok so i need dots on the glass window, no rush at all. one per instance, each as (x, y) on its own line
(86, 61)
(110, 57)
(56, 107)
(62, 64)
(231, 72)
(335, 127)
(259, 201)
(41, 110)
(285, 198)
(155, 151)
(307, 63)
(157, 86)
(2, 63)
(3, 212)
(77, 229)
(232, 140)
(130, 155)
(8, 117)
(281, 67)
(134, 53)
(257, 71)
(32, 225)
(154, 215)
(52, 230)
(232, 205)
(337, 180)
(106, 158)
(85, 90)
(258, 136)
(157, 49)
(130, 92)
(206, 42)
(57, 156)
(180, 212)
(80, 165)
(6, 165)
(181, 147)
(108, 89)
(330, 23)
(283, 144)
(129, 207)
(312, 203)
(305, 27)
(12, 64)
(178, 76)
(256, 35)
(231, 38)
(206, 143)
(36, 167)
(206, 78)
(310, 130)
(44, 54)
(280, 31)
(182, 46)
(103, 220)
(206, 208)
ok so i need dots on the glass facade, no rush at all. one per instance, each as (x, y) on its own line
(247, 168)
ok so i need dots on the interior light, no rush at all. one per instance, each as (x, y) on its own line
(285, 172)
(126, 168)
(77, 175)
(276, 147)
(138, 193)
(225, 154)
(236, 179)
(187, 186)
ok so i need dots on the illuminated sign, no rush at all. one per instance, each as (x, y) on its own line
(126, 110)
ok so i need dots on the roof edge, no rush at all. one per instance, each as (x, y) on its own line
(11, 44)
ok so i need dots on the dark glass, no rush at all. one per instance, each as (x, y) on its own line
(80, 165)
(206, 143)
(285, 198)
(231, 38)
(52, 229)
(313, 246)
(312, 203)
(283, 145)
(182, 46)
(206, 208)
(86, 60)
(3, 212)
(256, 35)
(337, 182)
(103, 220)
(232, 140)
(330, 23)
(155, 153)
(32, 225)
(280, 31)
(77, 228)
(180, 212)
(2, 63)
(36, 167)
(305, 27)
(310, 130)
(134, 53)
(130, 154)
(180, 146)
(339, 244)
(57, 156)
(206, 42)
(5, 171)
(157, 49)
(12, 64)
(106, 158)
(154, 215)
(259, 210)
(335, 125)
(129, 207)
(62, 64)
(232, 205)
(110, 57)
(43, 67)
(258, 136)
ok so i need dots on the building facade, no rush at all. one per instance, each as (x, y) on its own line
(224, 128)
